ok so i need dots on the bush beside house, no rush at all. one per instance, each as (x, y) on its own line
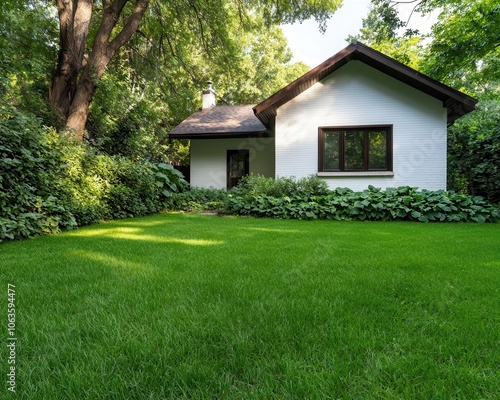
(49, 183)
(308, 198)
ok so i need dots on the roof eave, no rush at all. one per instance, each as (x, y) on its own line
(219, 135)
(267, 110)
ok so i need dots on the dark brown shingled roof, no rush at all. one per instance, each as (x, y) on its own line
(457, 103)
(220, 122)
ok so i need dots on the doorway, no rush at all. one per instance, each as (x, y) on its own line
(237, 166)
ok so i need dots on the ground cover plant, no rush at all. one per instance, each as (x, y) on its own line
(195, 306)
(310, 198)
(392, 204)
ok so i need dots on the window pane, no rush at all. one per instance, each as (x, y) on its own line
(354, 150)
(237, 165)
(331, 155)
(378, 150)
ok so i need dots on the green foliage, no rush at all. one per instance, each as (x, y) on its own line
(467, 37)
(28, 35)
(403, 203)
(169, 180)
(129, 117)
(49, 183)
(255, 185)
(474, 152)
(111, 187)
(198, 199)
(309, 198)
(32, 200)
(381, 31)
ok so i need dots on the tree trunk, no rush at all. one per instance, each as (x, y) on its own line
(70, 95)
(79, 110)
(74, 20)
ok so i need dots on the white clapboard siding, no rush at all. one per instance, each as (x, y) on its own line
(357, 94)
(209, 159)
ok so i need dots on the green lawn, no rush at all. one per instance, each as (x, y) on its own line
(202, 307)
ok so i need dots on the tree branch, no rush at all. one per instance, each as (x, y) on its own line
(131, 25)
(200, 24)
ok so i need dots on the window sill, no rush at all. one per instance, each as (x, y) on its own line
(360, 173)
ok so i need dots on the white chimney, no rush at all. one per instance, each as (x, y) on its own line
(208, 97)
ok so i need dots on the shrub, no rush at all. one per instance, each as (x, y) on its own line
(49, 183)
(32, 201)
(474, 152)
(254, 185)
(198, 199)
(314, 201)
(403, 203)
(112, 187)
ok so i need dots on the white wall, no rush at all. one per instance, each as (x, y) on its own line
(357, 94)
(209, 158)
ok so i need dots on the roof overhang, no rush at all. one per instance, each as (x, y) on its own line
(220, 122)
(456, 102)
(225, 135)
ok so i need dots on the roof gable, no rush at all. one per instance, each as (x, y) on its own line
(456, 102)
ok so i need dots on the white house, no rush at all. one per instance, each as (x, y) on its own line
(360, 118)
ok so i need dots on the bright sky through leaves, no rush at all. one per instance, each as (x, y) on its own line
(311, 47)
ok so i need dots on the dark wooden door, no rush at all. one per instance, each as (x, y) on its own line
(237, 166)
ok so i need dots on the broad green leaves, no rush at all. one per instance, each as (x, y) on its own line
(308, 198)
(467, 36)
(28, 38)
(403, 203)
(169, 180)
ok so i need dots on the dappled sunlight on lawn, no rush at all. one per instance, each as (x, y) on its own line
(275, 230)
(147, 224)
(109, 232)
(138, 234)
(492, 264)
(260, 295)
(157, 239)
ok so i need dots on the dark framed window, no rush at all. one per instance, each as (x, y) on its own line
(355, 149)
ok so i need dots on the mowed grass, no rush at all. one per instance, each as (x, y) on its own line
(190, 306)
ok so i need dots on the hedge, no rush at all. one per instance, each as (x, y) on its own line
(50, 182)
(402, 203)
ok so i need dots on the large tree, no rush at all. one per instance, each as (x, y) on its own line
(92, 32)
(74, 81)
